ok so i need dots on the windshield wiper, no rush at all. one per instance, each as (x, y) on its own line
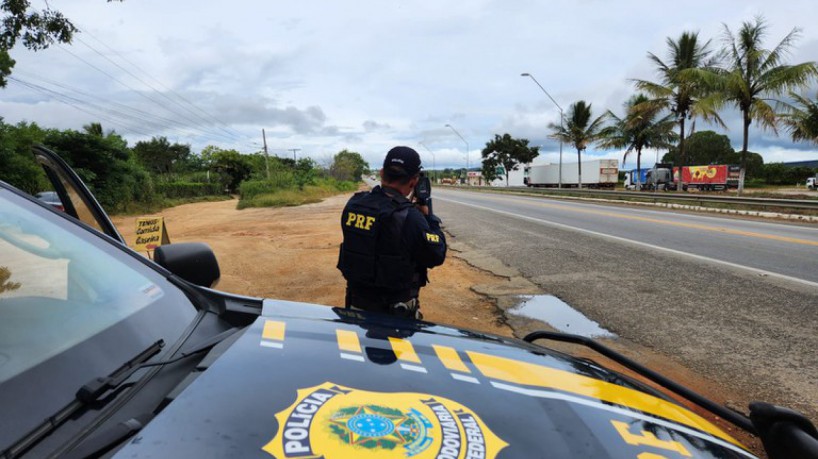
(86, 395)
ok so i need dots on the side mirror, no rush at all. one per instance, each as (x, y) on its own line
(194, 262)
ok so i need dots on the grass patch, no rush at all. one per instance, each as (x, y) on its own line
(142, 208)
(290, 197)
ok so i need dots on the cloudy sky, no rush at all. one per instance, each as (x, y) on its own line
(321, 76)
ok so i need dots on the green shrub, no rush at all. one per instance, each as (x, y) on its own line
(279, 180)
(176, 190)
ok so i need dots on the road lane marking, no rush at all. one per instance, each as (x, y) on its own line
(641, 244)
(697, 226)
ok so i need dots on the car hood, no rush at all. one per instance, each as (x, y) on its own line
(305, 381)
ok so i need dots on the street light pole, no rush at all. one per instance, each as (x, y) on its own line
(467, 149)
(434, 166)
(562, 118)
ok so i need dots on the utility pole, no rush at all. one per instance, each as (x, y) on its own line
(294, 150)
(266, 156)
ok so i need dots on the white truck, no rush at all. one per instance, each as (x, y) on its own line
(811, 183)
(598, 173)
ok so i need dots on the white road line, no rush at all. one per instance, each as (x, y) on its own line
(641, 244)
(613, 409)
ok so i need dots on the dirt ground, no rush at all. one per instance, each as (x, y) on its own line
(290, 253)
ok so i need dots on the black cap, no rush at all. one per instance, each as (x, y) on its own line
(404, 159)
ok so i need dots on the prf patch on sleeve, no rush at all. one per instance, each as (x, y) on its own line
(431, 237)
(359, 221)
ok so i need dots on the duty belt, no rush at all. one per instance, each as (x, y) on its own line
(409, 308)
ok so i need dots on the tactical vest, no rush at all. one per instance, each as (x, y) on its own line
(372, 253)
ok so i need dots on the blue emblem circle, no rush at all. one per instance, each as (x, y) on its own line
(370, 425)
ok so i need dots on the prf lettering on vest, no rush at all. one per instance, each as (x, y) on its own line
(432, 237)
(359, 221)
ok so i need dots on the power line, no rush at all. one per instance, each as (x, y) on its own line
(201, 118)
(73, 103)
(139, 93)
(225, 128)
(156, 121)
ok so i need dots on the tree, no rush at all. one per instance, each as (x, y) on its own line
(232, 166)
(348, 165)
(36, 29)
(17, 165)
(160, 156)
(94, 129)
(105, 166)
(508, 152)
(489, 169)
(639, 129)
(686, 84)
(801, 119)
(578, 130)
(754, 73)
(707, 147)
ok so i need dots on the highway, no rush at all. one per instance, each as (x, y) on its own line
(733, 299)
(785, 250)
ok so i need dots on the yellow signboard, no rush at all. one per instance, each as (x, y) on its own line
(150, 233)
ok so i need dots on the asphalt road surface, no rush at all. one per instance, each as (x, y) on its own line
(733, 299)
(775, 249)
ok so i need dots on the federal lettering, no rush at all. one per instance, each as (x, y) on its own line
(432, 237)
(475, 445)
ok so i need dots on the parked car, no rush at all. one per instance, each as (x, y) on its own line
(104, 352)
(51, 198)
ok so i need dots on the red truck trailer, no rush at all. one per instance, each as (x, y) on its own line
(707, 178)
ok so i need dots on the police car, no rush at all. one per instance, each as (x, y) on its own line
(104, 353)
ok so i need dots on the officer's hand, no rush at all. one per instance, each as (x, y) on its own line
(423, 209)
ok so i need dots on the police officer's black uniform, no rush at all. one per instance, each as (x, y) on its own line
(388, 246)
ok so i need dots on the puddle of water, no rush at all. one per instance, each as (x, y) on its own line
(557, 313)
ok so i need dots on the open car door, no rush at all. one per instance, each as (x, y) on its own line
(76, 198)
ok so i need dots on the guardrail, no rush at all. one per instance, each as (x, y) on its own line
(664, 196)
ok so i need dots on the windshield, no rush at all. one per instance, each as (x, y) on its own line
(72, 307)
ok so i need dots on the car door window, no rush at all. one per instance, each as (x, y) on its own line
(77, 200)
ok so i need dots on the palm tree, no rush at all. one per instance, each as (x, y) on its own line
(754, 72)
(639, 129)
(802, 120)
(578, 130)
(686, 86)
(94, 129)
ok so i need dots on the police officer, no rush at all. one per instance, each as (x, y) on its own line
(390, 241)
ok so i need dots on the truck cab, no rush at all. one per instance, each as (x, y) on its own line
(811, 185)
